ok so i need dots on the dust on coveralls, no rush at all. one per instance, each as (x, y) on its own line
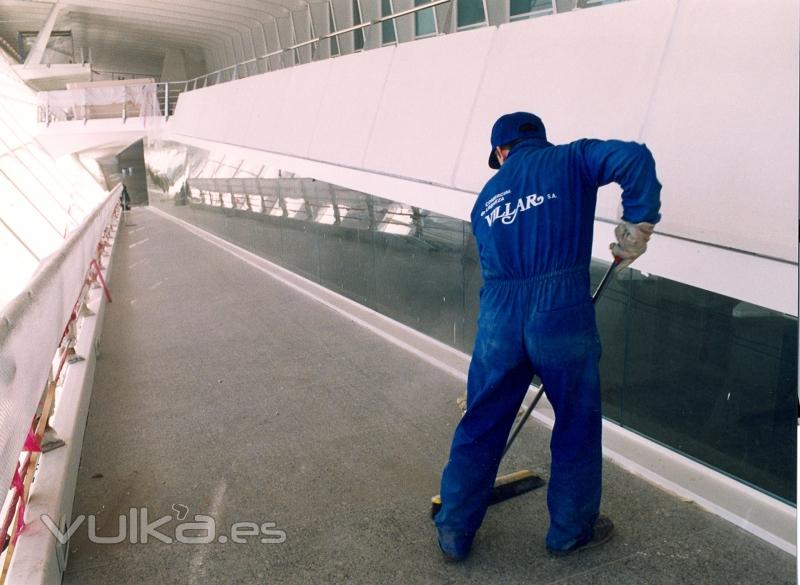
(533, 225)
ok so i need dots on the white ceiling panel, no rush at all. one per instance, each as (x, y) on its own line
(126, 33)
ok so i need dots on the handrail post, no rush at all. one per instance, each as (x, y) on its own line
(166, 100)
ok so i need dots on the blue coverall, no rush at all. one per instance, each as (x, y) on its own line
(533, 224)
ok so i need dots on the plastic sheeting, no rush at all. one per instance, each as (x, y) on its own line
(31, 325)
(91, 103)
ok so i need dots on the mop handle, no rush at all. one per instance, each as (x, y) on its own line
(603, 282)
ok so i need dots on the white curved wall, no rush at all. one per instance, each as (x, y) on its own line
(710, 85)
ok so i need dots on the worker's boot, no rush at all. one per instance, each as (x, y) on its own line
(603, 531)
(455, 546)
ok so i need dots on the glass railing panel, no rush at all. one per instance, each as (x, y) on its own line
(715, 378)
(706, 375)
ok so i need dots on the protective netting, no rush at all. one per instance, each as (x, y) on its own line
(103, 101)
(31, 325)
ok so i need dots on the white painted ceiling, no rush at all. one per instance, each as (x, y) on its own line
(137, 33)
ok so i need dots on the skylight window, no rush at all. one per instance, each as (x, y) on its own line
(17, 267)
(34, 191)
(26, 223)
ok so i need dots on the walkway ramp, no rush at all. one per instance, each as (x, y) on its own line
(222, 392)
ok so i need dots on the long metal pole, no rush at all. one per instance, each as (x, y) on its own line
(37, 52)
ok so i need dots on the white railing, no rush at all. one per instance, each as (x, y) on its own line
(37, 331)
(241, 69)
(160, 99)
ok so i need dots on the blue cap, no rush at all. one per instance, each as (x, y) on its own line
(512, 128)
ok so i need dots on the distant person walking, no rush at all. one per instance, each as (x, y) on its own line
(125, 198)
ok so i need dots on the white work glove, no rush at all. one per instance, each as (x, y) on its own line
(631, 242)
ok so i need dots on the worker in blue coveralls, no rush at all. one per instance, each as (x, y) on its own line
(533, 225)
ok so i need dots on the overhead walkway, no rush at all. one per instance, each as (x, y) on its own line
(222, 391)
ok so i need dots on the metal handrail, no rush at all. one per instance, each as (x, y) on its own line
(172, 89)
(193, 82)
(235, 67)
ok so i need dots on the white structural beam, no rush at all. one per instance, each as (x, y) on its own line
(37, 51)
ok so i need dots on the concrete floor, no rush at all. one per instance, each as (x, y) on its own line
(221, 392)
